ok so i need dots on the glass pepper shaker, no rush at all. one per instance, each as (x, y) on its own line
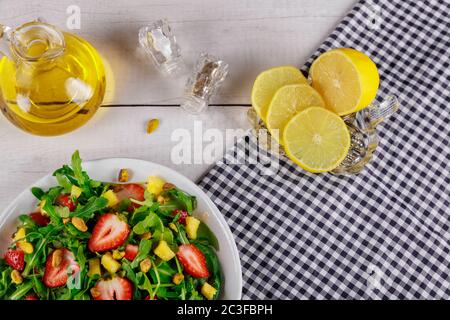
(208, 75)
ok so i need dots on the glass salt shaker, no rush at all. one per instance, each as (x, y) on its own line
(161, 47)
(208, 75)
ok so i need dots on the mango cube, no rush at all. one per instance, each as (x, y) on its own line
(94, 267)
(192, 225)
(109, 263)
(208, 291)
(155, 185)
(111, 197)
(163, 251)
(116, 254)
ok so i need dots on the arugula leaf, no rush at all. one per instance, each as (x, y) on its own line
(77, 169)
(156, 279)
(37, 192)
(82, 296)
(129, 271)
(144, 249)
(55, 218)
(95, 184)
(40, 289)
(64, 182)
(159, 231)
(164, 234)
(188, 202)
(131, 275)
(213, 265)
(124, 205)
(151, 221)
(204, 234)
(27, 222)
(62, 293)
(139, 214)
(182, 237)
(167, 294)
(21, 290)
(191, 285)
(77, 176)
(37, 254)
(5, 281)
(68, 172)
(52, 193)
(80, 257)
(74, 232)
(87, 211)
(169, 206)
(166, 272)
(143, 283)
(63, 212)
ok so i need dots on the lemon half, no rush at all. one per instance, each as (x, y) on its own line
(347, 79)
(316, 139)
(269, 81)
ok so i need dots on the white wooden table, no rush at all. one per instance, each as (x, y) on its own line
(250, 35)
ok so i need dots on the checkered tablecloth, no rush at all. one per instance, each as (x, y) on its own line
(383, 233)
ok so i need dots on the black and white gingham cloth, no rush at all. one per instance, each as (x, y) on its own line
(383, 233)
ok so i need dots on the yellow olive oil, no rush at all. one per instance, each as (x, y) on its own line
(47, 94)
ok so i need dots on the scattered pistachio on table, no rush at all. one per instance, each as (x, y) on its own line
(152, 125)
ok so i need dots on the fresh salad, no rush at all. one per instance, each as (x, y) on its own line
(94, 240)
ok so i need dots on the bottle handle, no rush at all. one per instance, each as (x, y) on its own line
(4, 37)
(376, 113)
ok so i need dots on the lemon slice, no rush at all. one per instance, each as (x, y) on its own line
(287, 102)
(346, 79)
(316, 139)
(269, 81)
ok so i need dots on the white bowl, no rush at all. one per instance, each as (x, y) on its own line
(107, 170)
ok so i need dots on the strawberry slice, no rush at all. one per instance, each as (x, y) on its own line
(193, 261)
(182, 215)
(131, 252)
(57, 275)
(65, 201)
(109, 233)
(40, 219)
(16, 259)
(116, 288)
(31, 297)
(129, 191)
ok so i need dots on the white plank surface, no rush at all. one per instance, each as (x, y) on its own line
(250, 35)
